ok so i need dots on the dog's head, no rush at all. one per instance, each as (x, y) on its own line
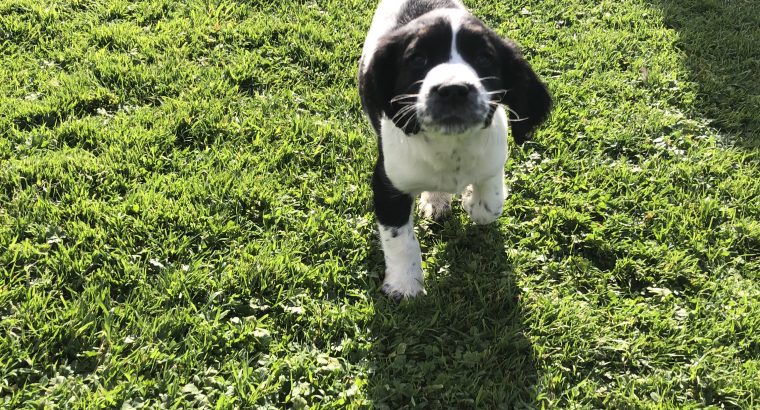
(446, 72)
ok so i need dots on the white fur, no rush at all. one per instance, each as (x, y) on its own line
(484, 201)
(403, 261)
(430, 161)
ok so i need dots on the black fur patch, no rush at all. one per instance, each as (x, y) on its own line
(395, 71)
(415, 8)
(507, 74)
(392, 207)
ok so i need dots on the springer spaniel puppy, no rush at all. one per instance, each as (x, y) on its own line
(432, 80)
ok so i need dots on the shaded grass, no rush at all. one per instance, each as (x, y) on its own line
(185, 219)
(719, 40)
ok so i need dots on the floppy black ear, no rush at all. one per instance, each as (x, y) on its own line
(527, 97)
(376, 82)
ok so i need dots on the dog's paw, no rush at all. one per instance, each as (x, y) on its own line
(482, 210)
(434, 205)
(404, 284)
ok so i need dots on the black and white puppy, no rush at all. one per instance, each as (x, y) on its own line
(432, 80)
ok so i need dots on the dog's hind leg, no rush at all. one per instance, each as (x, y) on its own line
(434, 205)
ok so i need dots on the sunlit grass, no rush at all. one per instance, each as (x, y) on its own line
(185, 217)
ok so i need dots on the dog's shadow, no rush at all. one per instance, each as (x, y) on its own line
(462, 345)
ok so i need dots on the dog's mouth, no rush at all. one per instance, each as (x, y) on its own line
(453, 124)
(453, 118)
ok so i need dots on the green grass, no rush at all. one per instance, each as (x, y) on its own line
(185, 215)
(719, 39)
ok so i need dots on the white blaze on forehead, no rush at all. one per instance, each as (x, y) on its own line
(456, 69)
(456, 18)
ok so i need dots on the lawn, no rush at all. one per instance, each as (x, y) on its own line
(186, 221)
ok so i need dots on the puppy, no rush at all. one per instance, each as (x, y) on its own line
(432, 80)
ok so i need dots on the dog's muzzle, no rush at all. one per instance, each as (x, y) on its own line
(452, 100)
(454, 107)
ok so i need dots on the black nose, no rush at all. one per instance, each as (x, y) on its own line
(453, 91)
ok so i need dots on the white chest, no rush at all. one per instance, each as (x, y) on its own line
(444, 163)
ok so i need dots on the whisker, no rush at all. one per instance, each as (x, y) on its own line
(511, 111)
(488, 78)
(407, 122)
(403, 97)
(408, 107)
(402, 119)
(517, 116)
(500, 93)
(400, 114)
(408, 119)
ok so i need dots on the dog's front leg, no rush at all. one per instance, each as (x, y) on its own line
(484, 201)
(403, 258)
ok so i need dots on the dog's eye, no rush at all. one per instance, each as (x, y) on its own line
(417, 60)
